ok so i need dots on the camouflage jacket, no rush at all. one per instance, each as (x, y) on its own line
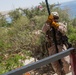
(60, 34)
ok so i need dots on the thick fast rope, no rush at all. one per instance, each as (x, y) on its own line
(53, 30)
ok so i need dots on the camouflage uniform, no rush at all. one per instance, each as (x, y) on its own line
(61, 46)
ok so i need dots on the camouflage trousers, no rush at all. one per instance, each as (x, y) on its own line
(60, 70)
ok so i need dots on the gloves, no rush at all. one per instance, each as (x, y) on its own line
(52, 23)
(50, 19)
(55, 25)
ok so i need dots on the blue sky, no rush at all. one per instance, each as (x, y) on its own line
(6, 5)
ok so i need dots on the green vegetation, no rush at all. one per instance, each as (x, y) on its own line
(19, 38)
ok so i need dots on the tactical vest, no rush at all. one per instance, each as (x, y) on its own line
(59, 37)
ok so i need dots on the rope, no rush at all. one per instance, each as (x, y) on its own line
(53, 30)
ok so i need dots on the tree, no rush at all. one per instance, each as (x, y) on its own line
(74, 22)
(3, 22)
(15, 14)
